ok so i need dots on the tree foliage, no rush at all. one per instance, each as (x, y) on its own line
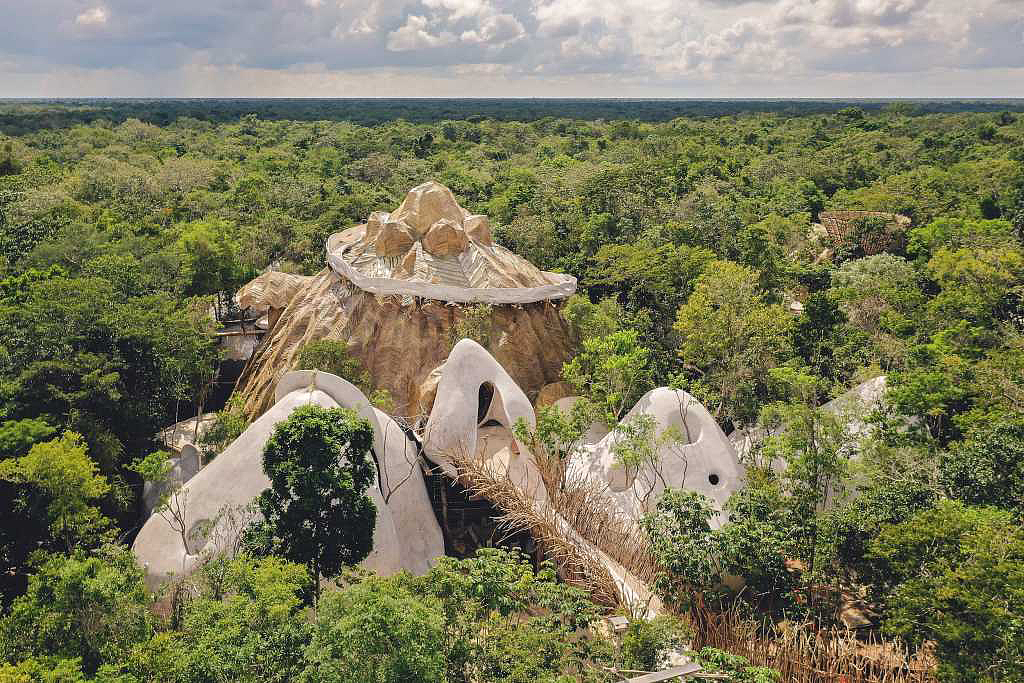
(316, 510)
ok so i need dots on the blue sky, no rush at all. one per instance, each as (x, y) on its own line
(513, 48)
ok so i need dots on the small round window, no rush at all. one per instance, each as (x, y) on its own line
(713, 478)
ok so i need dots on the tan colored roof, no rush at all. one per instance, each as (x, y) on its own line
(433, 248)
(272, 289)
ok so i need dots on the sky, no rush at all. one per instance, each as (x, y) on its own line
(512, 48)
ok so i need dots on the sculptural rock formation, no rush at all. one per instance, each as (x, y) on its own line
(396, 287)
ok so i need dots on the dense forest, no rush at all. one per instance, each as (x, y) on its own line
(692, 230)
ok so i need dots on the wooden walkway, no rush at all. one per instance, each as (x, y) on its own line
(677, 672)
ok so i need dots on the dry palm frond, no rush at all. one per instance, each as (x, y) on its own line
(578, 562)
(584, 504)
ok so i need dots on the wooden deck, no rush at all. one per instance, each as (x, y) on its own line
(677, 672)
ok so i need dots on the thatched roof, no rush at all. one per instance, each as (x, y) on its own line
(432, 248)
(272, 289)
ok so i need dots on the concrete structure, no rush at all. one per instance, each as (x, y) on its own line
(701, 459)
(393, 290)
(851, 406)
(396, 287)
(406, 535)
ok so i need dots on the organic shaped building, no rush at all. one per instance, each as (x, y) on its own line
(393, 289)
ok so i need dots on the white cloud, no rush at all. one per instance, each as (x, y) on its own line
(416, 34)
(461, 9)
(92, 17)
(497, 30)
(581, 47)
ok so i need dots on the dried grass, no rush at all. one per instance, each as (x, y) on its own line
(805, 655)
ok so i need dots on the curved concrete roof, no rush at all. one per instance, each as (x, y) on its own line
(406, 535)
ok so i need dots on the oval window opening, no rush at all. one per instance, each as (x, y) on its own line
(713, 478)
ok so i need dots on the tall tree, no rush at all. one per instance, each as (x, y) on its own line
(316, 509)
(729, 336)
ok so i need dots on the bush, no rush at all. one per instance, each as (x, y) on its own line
(377, 632)
(645, 642)
(333, 356)
(94, 609)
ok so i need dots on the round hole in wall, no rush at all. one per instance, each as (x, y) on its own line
(713, 478)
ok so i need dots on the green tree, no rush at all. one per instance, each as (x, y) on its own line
(228, 424)
(43, 670)
(815, 446)
(90, 608)
(18, 436)
(612, 371)
(987, 468)
(61, 473)
(874, 292)
(211, 264)
(505, 621)
(957, 577)
(377, 632)
(475, 322)
(556, 437)
(243, 622)
(320, 466)
(974, 282)
(682, 540)
(590, 320)
(765, 246)
(115, 371)
(729, 337)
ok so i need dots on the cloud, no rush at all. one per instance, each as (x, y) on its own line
(92, 16)
(589, 47)
(499, 29)
(416, 34)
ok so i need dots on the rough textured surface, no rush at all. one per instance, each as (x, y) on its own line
(445, 238)
(272, 289)
(400, 342)
(550, 394)
(406, 535)
(478, 229)
(398, 310)
(394, 239)
(431, 247)
(425, 205)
